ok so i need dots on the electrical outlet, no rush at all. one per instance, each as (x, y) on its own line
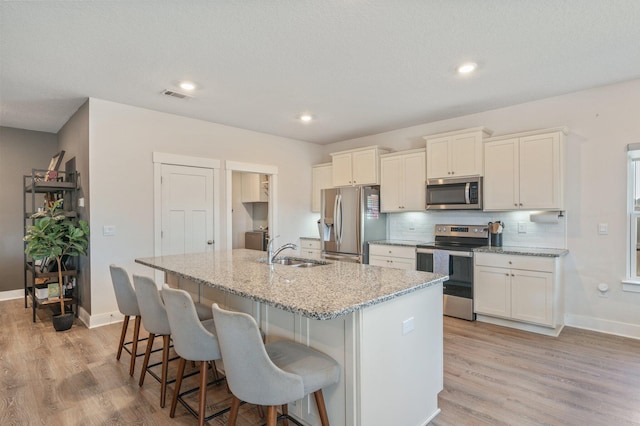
(522, 227)
(603, 228)
(407, 326)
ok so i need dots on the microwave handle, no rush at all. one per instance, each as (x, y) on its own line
(467, 188)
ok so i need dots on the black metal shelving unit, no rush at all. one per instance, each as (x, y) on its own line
(36, 185)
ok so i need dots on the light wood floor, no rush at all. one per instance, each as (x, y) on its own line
(493, 376)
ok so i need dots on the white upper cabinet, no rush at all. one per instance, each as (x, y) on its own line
(402, 181)
(255, 188)
(321, 178)
(455, 154)
(525, 171)
(357, 166)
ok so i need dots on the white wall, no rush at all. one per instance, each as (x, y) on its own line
(601, 121)
(122, 141)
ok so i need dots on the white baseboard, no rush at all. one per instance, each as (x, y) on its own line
(11, 294)
(539, 329)
(93, 321)
(603, 326)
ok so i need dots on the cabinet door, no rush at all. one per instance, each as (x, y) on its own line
(532, 296)
(391, 184)
(438, 158)
(414, 182)
(341, 170)
(501, 175)
(540, 183)
(465, 153)
(492, 291)
(250, 187)
(321, 178)
(365, 167)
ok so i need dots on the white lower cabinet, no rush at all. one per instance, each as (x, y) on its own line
(392, 256)
(310, 248)
(520, 289)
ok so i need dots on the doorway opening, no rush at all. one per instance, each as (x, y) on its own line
(251, 207)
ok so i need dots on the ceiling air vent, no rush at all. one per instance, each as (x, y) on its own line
(175, 94)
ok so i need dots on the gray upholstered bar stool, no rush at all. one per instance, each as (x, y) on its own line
(156, 322)
(128, 306)
(273, 374)
(193, 340)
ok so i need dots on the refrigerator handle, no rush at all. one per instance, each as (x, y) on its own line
(339, 220)
(336, 219)
(359, 217)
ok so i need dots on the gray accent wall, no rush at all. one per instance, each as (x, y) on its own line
(20, 151)
(73, 138)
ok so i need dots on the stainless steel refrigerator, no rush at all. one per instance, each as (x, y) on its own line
(350, 219)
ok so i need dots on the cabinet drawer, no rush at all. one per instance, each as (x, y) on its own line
(392, 251)
(310, 253)
(531, 263)
(309, 244)
(392, 262)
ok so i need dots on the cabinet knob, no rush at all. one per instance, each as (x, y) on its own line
(515, 204)
(453, 173)
(507, 274)
(510, 263)
(512, 275)
(520, 204)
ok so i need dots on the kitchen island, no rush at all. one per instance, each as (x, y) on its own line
(383, 326)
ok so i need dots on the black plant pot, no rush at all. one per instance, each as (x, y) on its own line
(62, 322)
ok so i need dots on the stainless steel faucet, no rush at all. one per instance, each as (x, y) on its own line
(271, 255)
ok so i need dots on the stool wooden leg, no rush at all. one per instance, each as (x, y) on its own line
(145, 362)
(322, 410)
(176, 391)
(285, 412)
(260, 411)
(233, 414)
(123, 334)
(134, 346)
(203, 392)
(165, 366)
(272, 415)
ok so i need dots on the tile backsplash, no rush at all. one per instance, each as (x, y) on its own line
(419, 226)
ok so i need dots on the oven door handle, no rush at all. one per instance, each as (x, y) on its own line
(451, 252)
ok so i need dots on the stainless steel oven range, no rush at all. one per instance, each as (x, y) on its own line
(458, 241)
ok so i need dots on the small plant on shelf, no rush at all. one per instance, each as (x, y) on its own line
(53, 235)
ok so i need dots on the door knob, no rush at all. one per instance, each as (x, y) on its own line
(210, 242)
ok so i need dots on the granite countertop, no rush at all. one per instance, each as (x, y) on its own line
(405, 243)
(322, 292)
(523, 251)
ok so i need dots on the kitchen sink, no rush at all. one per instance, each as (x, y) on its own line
(296, 262)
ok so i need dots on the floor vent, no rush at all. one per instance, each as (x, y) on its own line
(175, 94)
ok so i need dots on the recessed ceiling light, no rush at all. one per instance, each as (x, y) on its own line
(306, 118)
(187, 85)
(467, 68)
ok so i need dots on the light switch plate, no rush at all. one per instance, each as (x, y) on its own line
(522, 227)
(109, 230)
(603, 228)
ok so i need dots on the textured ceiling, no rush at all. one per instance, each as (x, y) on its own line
(360, 66)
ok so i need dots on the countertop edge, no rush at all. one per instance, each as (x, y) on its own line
(523, 251)
(313, 315)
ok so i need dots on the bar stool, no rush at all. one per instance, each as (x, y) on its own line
(193, 340)
(156, 322)
(273, 374)
(128, 306)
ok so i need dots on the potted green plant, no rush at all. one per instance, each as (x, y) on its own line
(53, 235)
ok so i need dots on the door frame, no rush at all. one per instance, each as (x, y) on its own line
(265, 169)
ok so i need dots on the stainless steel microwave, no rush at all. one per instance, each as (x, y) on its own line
(454, 194)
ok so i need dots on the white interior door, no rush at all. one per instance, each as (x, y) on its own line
(187, 209)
